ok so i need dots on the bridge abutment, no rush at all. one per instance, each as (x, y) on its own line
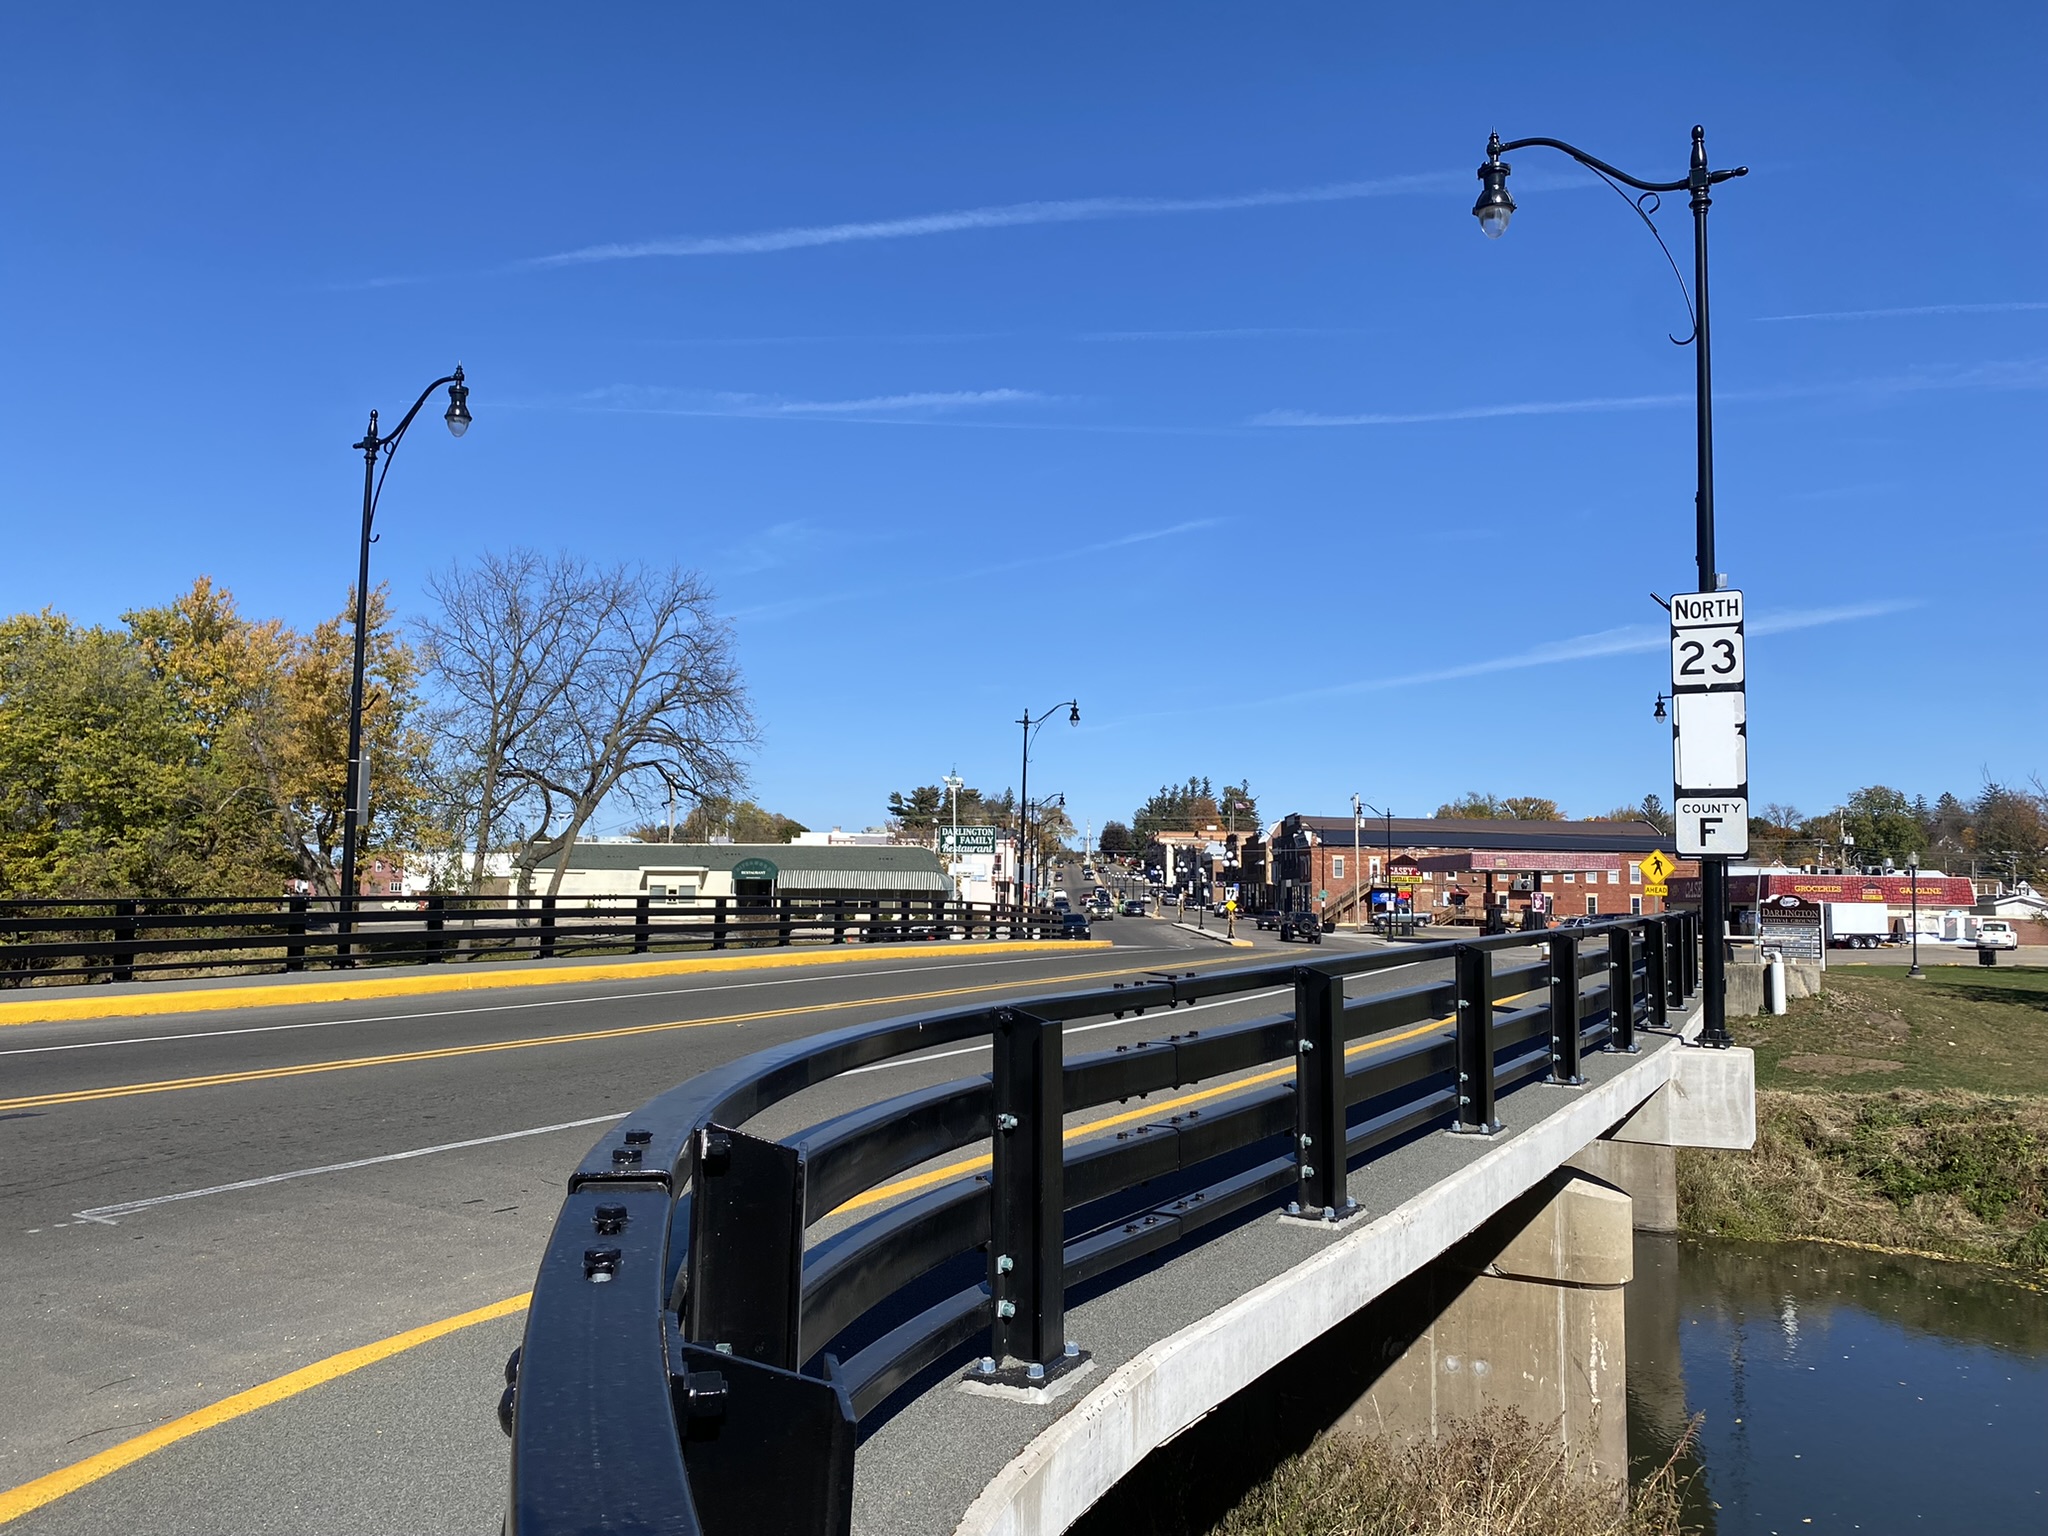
(1528, 1314)
(1644, 1171)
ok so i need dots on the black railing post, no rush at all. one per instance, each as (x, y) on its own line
(545, 950)
(838, 919)
(784, 930)
(1564, 1009)
(1656, 992)
(295, 933)
(1674, 963)
(437, 925)
(1322, 1183)
(1689, 936)
(1621, 990)
(124, 941)
(643, 923)
(1475, 1041)
(718, 922)
(745, 1293)
(1028, 1228)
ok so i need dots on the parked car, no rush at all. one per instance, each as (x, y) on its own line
(1578, 922)
(1075, 926)
(1305, 926)
(1133, 907)
(1997, 933)
(1270, 918)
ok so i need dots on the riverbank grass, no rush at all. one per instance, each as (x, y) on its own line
(1903, 1114)
(1495, 1475)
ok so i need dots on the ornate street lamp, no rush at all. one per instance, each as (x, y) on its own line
(1031, 725)
(373, 447)
(1493, 210)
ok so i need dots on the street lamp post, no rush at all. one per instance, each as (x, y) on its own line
(355, 794)
(1913, 874)
(1386, 870)
(954, 784)
(1031, 725)
(1492, 210)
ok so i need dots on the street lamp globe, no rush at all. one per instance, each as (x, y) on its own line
(1074, 715)
(1494, 205)
(458, 406)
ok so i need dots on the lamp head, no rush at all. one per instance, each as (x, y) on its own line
(458, 404)
(1659, 715)
(1494, 205)
(1074, 715)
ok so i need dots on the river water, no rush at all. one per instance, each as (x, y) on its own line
(1840, 1390)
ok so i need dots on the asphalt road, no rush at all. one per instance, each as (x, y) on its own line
(198, 1205)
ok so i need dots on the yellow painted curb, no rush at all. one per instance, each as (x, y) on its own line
(49, 1007)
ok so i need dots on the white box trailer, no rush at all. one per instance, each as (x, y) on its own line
(1858, 924)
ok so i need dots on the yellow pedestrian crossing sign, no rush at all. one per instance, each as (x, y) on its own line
(1657, 867)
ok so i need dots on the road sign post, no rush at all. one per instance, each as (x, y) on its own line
(1710, 766)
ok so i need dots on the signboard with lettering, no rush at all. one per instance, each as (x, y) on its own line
(1709, 724)
(755, 869)
(958, 840)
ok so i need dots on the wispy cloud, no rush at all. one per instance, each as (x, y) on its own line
(999, 216)
(811, 602)
(1467, 412)
(2013, 307)
(2022, 373)
(1625, 640)
(648, 401)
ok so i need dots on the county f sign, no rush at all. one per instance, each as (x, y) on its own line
(1714, 825)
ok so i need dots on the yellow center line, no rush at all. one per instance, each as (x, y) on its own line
(34, 1494)
(18, 1501)
(933, 1176)
(451, 1052)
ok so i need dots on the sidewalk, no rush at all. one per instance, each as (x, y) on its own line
(139, 999)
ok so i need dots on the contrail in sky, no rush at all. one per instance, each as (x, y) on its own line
(2017, 306)
(999, 216)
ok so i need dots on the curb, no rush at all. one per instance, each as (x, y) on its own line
(50, 1009)
(1215, 934)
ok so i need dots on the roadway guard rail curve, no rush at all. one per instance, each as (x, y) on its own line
(691, 1364)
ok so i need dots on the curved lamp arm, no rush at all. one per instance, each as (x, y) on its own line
(373, 443)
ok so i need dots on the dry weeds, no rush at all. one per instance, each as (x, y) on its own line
(1496, 1475)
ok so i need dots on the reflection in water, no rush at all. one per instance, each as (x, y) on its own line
(1841, 1390)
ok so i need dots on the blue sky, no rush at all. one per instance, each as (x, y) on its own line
(1147, 354)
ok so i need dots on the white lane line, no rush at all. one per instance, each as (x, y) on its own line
(968, 1050)
(548, 1002)
(109, 1215)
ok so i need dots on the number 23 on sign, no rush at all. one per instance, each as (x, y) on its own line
(1707, 657)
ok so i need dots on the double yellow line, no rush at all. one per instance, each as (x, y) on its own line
(68, 1479)
(530, 1042)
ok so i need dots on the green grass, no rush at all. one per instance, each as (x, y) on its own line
(1980, 1031)
(1901, 1113)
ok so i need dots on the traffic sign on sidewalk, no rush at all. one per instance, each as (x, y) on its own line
(1657, 867)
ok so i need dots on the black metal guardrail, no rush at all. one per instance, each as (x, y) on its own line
(691, 1364)
(121, 940)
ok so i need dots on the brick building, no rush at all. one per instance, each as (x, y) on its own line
(1451, 869)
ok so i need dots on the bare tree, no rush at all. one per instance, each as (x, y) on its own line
(567, 684)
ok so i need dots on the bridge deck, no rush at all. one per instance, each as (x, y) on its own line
(1205, 1320)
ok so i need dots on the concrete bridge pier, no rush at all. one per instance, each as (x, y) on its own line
(1526, 1313)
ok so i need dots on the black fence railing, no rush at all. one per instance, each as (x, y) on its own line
(127, 940)
(695, 1361)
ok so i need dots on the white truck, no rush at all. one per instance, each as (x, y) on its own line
(1857, 924)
